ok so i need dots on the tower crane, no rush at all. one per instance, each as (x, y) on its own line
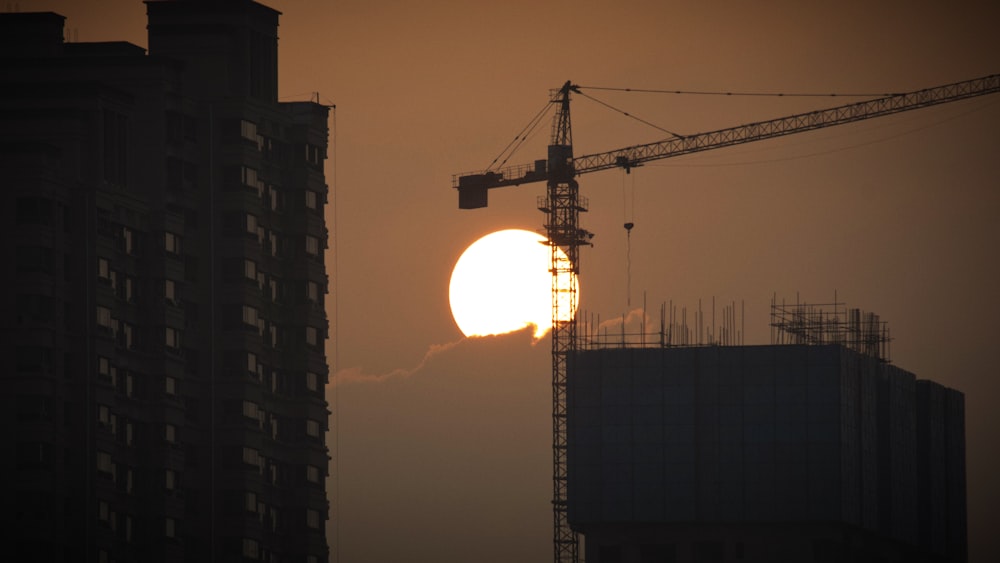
(563, 204)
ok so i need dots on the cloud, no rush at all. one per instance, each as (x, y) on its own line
(357, 374)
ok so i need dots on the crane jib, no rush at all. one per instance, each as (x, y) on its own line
(473, 187)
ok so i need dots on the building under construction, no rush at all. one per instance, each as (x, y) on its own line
(683, 448)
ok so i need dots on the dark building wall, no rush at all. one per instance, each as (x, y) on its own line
(940, 445)
(660, 439)
(165, 336)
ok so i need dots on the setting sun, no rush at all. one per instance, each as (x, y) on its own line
(501, 283)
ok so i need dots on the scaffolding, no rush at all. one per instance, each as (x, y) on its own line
(636, 329)
(830, 323)
(797, 323)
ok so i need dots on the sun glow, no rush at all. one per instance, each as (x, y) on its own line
(502, 283)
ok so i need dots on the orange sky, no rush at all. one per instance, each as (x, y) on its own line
(450, 461)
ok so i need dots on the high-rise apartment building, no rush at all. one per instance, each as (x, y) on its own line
(163, 330)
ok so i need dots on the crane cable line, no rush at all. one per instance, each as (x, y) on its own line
(750, 94)
(521, 136)
(519, 139)
(627, 114)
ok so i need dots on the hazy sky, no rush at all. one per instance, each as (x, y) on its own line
(447, 458)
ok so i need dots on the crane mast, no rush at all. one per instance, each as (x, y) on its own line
(562, 204)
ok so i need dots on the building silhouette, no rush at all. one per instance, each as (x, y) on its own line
(163, 329)
(815, 449)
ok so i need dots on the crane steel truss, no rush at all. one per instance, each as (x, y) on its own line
(563, 204)
(472, 186)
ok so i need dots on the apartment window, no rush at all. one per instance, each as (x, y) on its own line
(127, 288)
(169, 527)
(129, 385)
(128, 527)
(312, 474)
(128, 436)
(170, 433)
(250, 410)
(252, 363)
(169, 479)
(172, 337)
(251, 223)
(250, 316)
(251, 456)
(170, 385)
(312, 201)
(274, 289)
(103, 316)
(170, 291)
(128, 240)
(312, 291)
(104, 462)
(104, 415)
(250, 269)
(312, 336)
(104, 367)
(171, 242)
(248, 130)
(274, 198)
(104, 270)
(312, 245)
(251, 549)
(126, 336)
(275, 250)
(103, 512)
(312, 428)
(250, 501)
(249, 176)
(312, 381)
(313, 155)
(252, 181)
(312, 518)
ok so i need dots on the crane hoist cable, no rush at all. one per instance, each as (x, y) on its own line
(628, 211)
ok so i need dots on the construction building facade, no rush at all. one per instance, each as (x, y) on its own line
(790, 452)
(164, 328)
